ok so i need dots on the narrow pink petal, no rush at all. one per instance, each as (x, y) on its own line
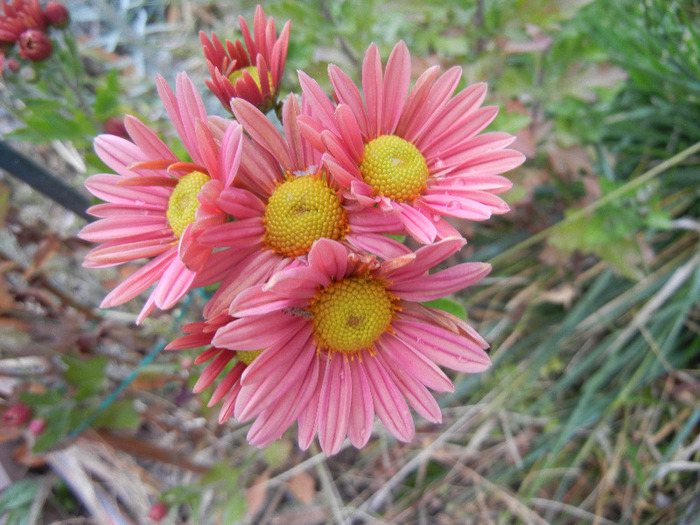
(262, 131)
(329, 257)
(123, 226)
(299, 283)
(373, 89)
(107, 209)
(241, 203)
(415, 364)
(420, 113)
(279, 54)
(490, 164)
(440, 284)
(290, 110)
(254, 333)
(190, 108)
(189, 341)
(175, 282)
(212, 371)
(428, 257)
(308, 417)
(340, 173)
(208, 149)
(226, 384)
(349, 95)
(121, 251)
(105, 186)
(396, 83)
(148, 142)
(254, 301)
(416, 99)
(415, 393)
(456, 112)
(361, 415)
(417, 224)
(468, 127)
(248, 232)
(227, 408)
(350, 133)
(231, 153)
(334, 406)
(457, 206)
(380, 245)
(389, 404)
(319, 102)
(446, 348)
(340, 152)
(284, 364)
(138, 281)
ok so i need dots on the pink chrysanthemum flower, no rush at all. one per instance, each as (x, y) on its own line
(290, 203)
(157, 206)
(344, 337)
(251, 71)
(420, 153)
(19, 16)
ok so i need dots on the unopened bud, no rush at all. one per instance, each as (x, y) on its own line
(56, 14)
(115, 126)
(34, 45)
(37, 425)
(17, 415)
(158, 511)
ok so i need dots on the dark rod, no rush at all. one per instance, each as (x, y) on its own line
(38, 178)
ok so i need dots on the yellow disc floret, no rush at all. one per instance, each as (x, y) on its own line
(183, 202)
(394, 168)
(349, 315)
(300, 211)
(247, 357)
(253, 71)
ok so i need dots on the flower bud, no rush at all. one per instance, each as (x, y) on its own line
(56, 14)
(37, 425)
(158, 511)
(34, 45)
(115, 126)
(17, 415)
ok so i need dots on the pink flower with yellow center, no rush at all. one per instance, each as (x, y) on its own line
(289, 203)
(157, 206)
(344, 338)
(419, 154)
(252, 69)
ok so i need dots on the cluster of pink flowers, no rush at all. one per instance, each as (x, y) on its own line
(318, 314)
(23, 23)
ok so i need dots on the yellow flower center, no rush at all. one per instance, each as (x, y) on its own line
(300, 211)
(349, 315)
(394, 168)
(183, 202)
(253, 71)
(247, 357)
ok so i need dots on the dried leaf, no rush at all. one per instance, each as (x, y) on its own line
(303, 486)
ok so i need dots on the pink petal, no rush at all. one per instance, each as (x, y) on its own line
(334, 407)
(414, 392)
(372, 87)
(175, 282)
(148, 142)
(349, 95)
(361, 415)
(428, 257)
(329, 257)
(389, 404)
(124, 226)
(440, 284)
(442, 346)
(417, 225)
(138, 281)
(396, 83)
(262, 131)
(415, 364)
(254, 333)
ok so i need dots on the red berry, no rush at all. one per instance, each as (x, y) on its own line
(158, 511)
(56, 14)
(17, 415)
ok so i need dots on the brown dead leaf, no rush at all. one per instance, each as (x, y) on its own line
(563, 295)
(303, 486)
(48, 247)
(256, 494)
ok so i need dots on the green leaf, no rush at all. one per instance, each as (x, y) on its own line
(235, 507)
(448, 305)
(107, 97)
(18, 495)
(118, 415)
(87, 375)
